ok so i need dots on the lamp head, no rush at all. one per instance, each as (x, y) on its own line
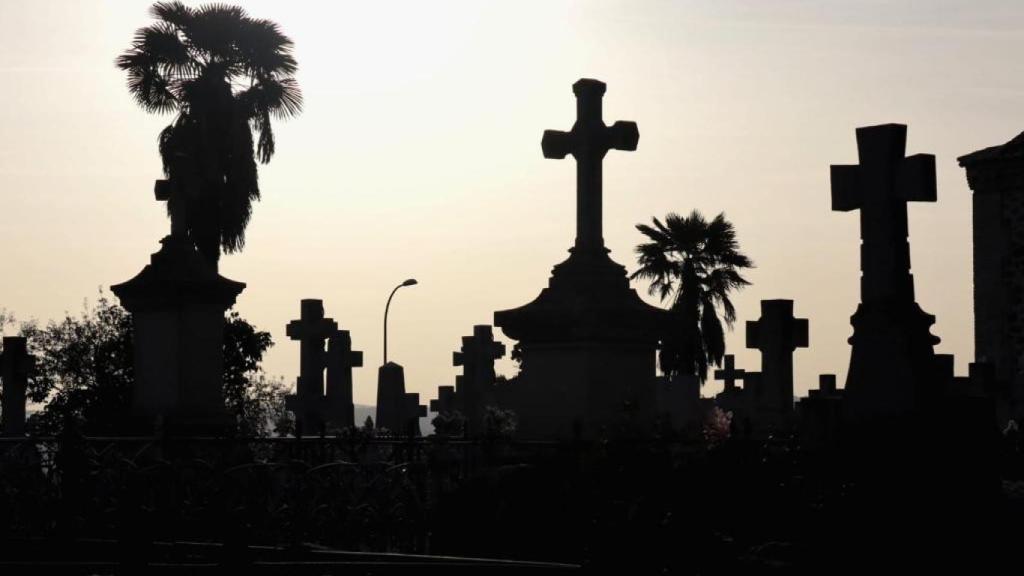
(410, 282)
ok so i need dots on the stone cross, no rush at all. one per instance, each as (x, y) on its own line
(311, 330)
(588, 141)
(445, 401)
(15, 363)
(472, 389)
(880, 187)
(340, 361)
(730, 374)
(777, 335)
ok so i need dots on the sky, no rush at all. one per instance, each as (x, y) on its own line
(418, 155)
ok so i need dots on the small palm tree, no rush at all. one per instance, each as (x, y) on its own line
(225, 74)
(696, 264)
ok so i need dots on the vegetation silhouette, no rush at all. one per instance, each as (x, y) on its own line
(225, 74)
(83, 372)
(696, 263)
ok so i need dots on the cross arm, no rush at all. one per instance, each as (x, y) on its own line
(623, 135)
(915, 179)
(846, 193)
(800, 333)
(556, 144)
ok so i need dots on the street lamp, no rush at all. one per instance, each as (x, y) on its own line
(409, 282)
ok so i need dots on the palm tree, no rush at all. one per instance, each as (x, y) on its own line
(696, 264)
(225, 74)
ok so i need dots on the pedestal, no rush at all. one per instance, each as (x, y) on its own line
(177, 304)
(588, 346)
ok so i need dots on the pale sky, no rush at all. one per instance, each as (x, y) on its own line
(418, 155)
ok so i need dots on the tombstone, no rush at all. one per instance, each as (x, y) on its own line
(820, 414)
(397, 410)
(474, 389)
(892, 356)
(588, 341)
(177, 304)
(15, 364)
(737, 400)
(776, 335)
(826, 387)
(445, 401)
(312, 329)
(996, 179)
(341, 359)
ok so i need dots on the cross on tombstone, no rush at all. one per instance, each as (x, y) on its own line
(730, 374)
(473, 387)
(588, 141)
(340, 361)
(777, 334)
(880, 187)
(311, 330)
(445, 401)
(15, 364)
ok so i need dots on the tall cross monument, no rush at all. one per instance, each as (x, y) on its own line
(892, 361)
(588, 340)
(588, 142)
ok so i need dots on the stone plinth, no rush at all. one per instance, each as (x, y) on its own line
(177, 304)
(588, 345)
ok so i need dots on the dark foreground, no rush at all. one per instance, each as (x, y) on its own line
(370, 506)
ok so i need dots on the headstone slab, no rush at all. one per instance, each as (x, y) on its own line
(892, 363)
(588, 340)
(311, 330)
(177, 304)
(397, 410)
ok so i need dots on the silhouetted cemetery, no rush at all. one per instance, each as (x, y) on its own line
(610, 464)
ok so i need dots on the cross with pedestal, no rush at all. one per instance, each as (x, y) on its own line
(892, 361)
(730, 374)
(777, 334)
(311, 330)
(341, 359)
(588, 141)
(15, 364)
(473, 387)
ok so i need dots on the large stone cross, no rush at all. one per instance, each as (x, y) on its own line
(311, 330)
(777, 334)
(588, 141)
(341, 359)
(730, 374)
(880, 187)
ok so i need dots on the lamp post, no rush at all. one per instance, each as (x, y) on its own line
(409, 282)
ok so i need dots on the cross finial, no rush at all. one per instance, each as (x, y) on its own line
(588, 141)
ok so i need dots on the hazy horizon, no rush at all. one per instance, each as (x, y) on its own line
(418, 155)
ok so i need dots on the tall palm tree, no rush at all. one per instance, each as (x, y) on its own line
(225, 74)
(695, 264)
